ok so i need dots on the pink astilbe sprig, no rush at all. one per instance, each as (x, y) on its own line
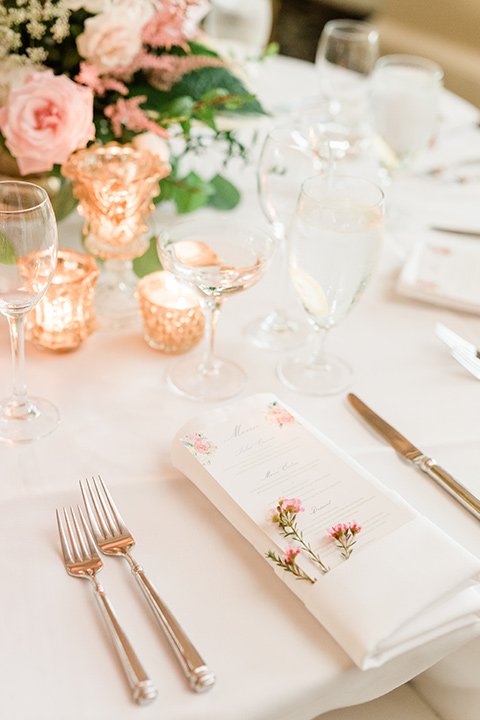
(100, 84)
(285, 516)
(344, 535)
(165, 28)
(289, 563)
(127, 113)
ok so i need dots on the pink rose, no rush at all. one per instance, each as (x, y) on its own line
(45, 120)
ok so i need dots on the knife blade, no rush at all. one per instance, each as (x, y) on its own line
(411, 453)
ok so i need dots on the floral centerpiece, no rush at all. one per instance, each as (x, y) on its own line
(74, 72)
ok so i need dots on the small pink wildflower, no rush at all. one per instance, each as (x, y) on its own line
(290, 554)
(344, 534)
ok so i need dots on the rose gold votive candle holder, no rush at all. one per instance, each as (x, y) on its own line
(64, 317)
(173, 319)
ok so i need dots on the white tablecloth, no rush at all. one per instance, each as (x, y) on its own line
(273, 660)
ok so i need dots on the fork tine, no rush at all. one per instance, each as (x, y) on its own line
(469, 363)
(112, 508)
(72, 536)
(452, 339)
(80, 537)
(92, 548)
(66, 547)
(92, 514)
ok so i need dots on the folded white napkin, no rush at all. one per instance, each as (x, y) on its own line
(407, 583)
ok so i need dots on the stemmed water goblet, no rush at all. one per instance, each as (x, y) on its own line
(28, 255)
(335, 243)
(291, 152)
(216, 258)
(345, 59)
(405, 97)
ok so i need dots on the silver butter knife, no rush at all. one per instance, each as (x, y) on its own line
(405, 448)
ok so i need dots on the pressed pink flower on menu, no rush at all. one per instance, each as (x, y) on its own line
(45, 120)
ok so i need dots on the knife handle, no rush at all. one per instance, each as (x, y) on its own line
(443, 478)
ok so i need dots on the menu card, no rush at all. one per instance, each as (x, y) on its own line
(406, 582)
(443, 269)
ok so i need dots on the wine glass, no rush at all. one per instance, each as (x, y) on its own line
(291, 152)
(405, 97)
(216, 258)
(243, 27)
(345, 59)
(28, 255)
(335, 244)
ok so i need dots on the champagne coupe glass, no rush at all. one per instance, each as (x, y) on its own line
(335, 244)
(28, 255)
(216, 258)
(405, 96)
(345, 59)
(291, 152)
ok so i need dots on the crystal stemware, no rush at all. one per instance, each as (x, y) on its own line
(335, 244)
(28, 255)
(216, 258)
(292, 151)
(345, 59)
(405, 97)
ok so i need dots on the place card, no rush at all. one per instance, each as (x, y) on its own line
(443, 269)
(407, 584)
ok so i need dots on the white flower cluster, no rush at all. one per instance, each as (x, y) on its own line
(34, 17)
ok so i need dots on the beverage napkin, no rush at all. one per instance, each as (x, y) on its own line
(407, 582)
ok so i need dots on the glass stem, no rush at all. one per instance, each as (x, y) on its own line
(317, 357)
(19, 405)
(280, 312)
(212, 311)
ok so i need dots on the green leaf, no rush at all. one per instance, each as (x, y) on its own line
(148, 262)
(8, 255)
(191, 193)
(226, 195)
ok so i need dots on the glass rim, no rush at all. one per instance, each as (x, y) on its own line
(30, 208)
(417, 61)
(325, 180)
(200, 223)
(350, 28)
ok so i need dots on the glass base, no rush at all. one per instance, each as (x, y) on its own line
(299, 374)
(276, 332)
(189, 378)
(30, 421)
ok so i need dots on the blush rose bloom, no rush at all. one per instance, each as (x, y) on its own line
(45, 120)
(111, 39)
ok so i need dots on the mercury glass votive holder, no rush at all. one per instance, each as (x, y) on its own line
(172, 316)
(65, 316)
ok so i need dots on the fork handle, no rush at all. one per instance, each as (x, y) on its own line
(143, 690)
(201, 678)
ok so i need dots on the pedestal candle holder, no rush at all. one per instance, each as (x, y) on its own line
(115, 186)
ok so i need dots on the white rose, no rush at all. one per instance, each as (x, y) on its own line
(110, 39)
(91, 6)
(153, 143)
(142, 10)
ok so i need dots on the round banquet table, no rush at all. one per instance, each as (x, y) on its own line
(273, 661)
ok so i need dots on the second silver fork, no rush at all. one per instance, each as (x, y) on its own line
(113, 538)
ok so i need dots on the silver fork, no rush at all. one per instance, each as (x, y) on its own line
(454, 341)
(113, 538)
(470, 362)
(82, 560)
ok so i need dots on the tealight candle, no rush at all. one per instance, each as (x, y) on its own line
(65, 316)
(173, 319)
